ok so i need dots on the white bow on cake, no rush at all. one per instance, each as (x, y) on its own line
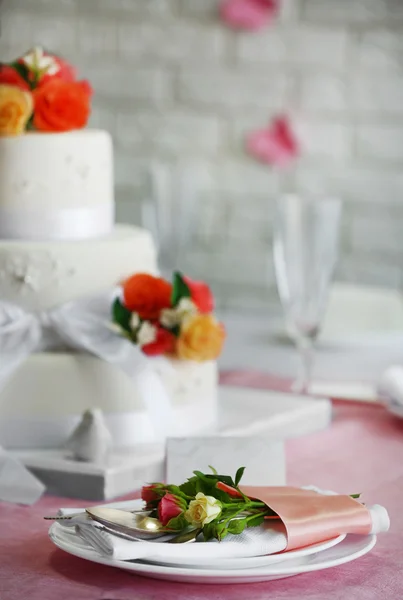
(82, 325)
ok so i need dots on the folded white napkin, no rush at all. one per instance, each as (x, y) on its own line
(255, 541)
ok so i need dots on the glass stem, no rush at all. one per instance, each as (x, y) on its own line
(305, 350)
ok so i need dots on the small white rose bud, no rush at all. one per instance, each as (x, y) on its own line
(147, 334)
(202, 510)
(134, 321)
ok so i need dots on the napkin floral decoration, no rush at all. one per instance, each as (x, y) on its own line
(211, 503)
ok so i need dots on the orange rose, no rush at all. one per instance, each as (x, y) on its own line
(61, 105)
(15, 110)
(147, 295)
(201, 338)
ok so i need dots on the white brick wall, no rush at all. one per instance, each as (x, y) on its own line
(179, 90)
(211, 88)
(168, 132)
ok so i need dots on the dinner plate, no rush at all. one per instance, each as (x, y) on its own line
(351, 548)
(189, 559)
(247, 562)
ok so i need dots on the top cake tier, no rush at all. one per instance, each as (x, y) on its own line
(56, 186)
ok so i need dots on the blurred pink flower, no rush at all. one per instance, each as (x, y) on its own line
(275, 145)
(248, 14)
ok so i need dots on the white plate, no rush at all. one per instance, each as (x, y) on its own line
(207, 561)
(248, 562)
(351, 548)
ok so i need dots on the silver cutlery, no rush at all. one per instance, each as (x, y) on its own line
(136, 525)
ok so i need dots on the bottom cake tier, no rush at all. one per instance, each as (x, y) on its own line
(44, 400)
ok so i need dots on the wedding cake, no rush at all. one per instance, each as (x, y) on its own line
(58, 245)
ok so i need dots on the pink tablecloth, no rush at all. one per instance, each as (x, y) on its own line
(361, 452)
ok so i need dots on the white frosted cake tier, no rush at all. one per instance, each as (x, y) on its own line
(43, 401)
(41, 275)
(56, 185)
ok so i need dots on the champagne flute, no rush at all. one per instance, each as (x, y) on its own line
(306, 237)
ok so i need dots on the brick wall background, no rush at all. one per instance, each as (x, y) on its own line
(178, 90)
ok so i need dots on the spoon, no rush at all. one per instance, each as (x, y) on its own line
(139, 525)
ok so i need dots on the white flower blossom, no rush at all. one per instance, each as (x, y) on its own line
(147, 334)
(170, 317)
(202, 510)
(37, 62)
(134, 321)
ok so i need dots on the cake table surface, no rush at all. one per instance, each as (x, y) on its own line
(360, 452)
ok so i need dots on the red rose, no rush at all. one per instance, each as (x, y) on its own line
(201, 295)
(9, 76)
(147, 295)
(61, 105)
(163, 344)
(149, 493)
(169, 508)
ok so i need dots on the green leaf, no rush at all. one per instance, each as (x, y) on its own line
(203, 477)
(355, 495)
(256, 520)
(239, 475)
(121, 315)
(180, 289)
(237, 526)
(177, 523)
(175, 489)
(23, 71)
(221, 496)
(213, 469)
(221, 534)
(189, 487)
(209, 531)
(199, 486)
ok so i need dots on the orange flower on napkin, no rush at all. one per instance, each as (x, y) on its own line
(62, 105)
(15, 109)
(201, 338)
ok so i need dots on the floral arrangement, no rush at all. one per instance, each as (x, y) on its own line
(210, 504)
(207, 503)
(40, 91)
(174, 319)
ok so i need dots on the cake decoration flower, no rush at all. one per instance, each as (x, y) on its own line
(201, 295)
(15, 110)
(61, 106)
(172, 319)
(147, 295)
(40, 63)
(61, 101)
(9, 76)
(202, 338)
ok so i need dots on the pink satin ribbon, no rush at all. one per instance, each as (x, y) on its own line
(310, 517)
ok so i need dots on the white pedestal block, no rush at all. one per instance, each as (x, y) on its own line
(243, 412)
